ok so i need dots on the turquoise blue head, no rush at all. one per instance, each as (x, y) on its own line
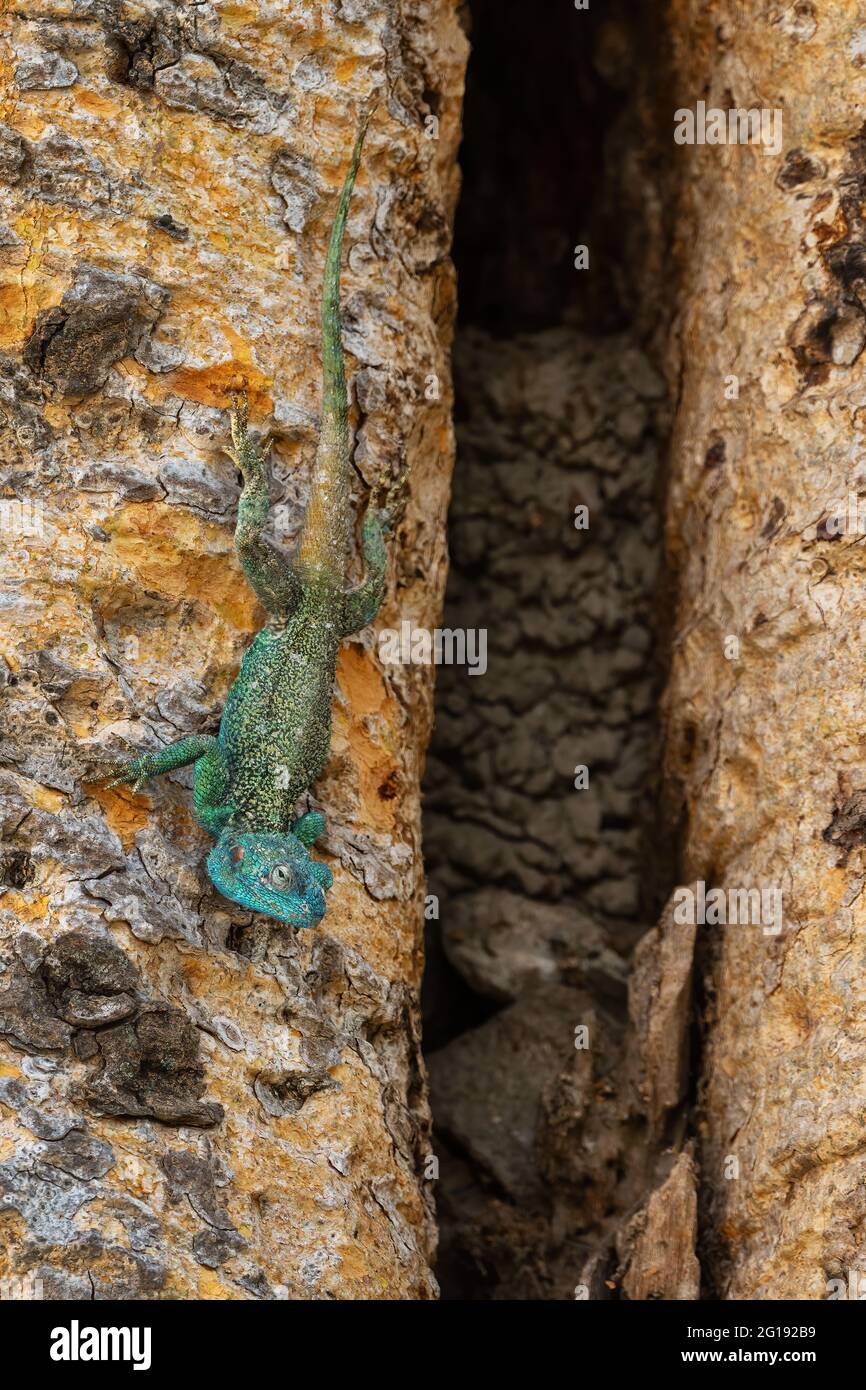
(273, 873)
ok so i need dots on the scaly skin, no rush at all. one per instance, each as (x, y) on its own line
(275, 733)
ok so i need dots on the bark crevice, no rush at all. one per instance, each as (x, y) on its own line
(559, 1083)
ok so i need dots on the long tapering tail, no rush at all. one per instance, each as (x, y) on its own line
(323, 547)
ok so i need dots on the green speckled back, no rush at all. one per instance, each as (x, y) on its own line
(276, 725)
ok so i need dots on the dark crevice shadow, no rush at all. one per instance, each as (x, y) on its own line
(545, 138)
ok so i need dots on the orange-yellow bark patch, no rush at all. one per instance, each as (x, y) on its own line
(377, 773)
(389, 952)
(32, 289)
(29, 123)
(237, 15)
(27, 910)
(7, 1149)
(214, 385)
(46, 798)
(362, 681)
(345, 68)
(354, 1263)
(177, 553)
(211, 1286)
(14, 312)
(100, 105)
(125, 813)
(56, 415)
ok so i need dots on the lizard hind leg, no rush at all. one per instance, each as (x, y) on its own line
(268, 571)
(361, 604)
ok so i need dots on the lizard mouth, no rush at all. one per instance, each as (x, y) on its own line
(310, 911)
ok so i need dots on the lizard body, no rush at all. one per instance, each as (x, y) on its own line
(275, 733)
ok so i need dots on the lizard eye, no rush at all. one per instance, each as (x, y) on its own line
(281, 875)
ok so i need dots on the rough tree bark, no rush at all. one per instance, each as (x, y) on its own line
(765, 743)
(194, 1104)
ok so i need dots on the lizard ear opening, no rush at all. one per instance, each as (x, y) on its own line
(309, 827)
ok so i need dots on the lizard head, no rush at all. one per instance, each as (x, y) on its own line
(272, 874)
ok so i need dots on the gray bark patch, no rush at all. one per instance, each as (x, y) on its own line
(294, 178)
(81, 1155)
(195, 1179)
(84, 990)
(285, 1093)
(40, 71)
(847, 828)
(151, 1068)
(13, 153)
(213, 1248)
(27, 1017)
(103, 317)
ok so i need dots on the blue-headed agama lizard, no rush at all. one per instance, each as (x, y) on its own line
(275, 733)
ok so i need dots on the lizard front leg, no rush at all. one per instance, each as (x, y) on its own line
(268, 571)
(210, 789)
(210, 784)
(181, 754)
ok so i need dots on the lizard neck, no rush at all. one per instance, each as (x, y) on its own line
(323, 548)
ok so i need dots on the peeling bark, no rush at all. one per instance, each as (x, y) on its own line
(194, 1103)
(657, 1248)
(660, 1012)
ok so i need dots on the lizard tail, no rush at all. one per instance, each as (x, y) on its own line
(333, 368)
(323, 546)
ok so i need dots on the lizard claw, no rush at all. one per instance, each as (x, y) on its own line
(238, 417)
(390, 497)
(126, 774)
(248, 458)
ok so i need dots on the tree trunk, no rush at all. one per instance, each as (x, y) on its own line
(194, 1103)
(764, 707)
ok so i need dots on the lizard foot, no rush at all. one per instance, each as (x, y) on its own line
(132, 773)
(390, 496)
(248, 458)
